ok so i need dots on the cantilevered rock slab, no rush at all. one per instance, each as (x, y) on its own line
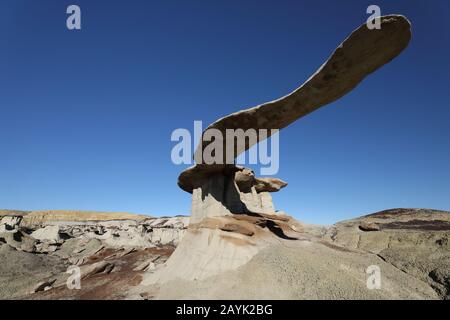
(232, 214)
(362, 53)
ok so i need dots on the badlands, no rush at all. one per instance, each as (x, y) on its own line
(124, 256)
(111, 250)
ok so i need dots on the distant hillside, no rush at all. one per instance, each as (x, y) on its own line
(5, 212)
(71, 215)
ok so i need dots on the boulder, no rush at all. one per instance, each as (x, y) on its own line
(367, 226)
(9, 223)
(45, 247)
(77, 261)
(48, 233)
(95, 268)
(43, 285)
(19, 240)
(269, 184)
(145, 266)
(245, 179)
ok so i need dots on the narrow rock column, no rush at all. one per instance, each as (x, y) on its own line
(218, 197)
(258, 202)
(224, 194)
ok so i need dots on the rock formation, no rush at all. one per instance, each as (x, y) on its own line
(416, 241)
(410, 246)
(233, 216)
(411, 250)
(362, 53)
(36, 249)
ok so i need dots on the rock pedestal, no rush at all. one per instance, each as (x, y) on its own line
(228, 193)
(232, 218)
(217, 197)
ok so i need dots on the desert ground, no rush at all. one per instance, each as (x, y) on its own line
(125, 256)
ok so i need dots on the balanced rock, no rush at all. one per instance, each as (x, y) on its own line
(48, 233)
(233, 217)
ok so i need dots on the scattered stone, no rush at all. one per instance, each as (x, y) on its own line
(46, 247)
(26, 261)
(41, 286)
(10, 222)
(92, 247)
(367, 226)
(442, 241)
(77, 260)
(19, 240)
(95, 268)
(126, 252)
(147, 295)
(269, 184)
(67, 248)
(48, 233)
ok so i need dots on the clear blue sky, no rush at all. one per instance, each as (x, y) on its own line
(86, 116)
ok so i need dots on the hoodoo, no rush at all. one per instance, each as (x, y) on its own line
(233, 216)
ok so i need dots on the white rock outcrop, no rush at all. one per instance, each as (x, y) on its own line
(48, 233)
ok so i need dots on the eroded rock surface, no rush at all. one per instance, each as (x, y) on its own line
(276, 257)
(233, 217)
(261, 256)
(35, 253)
(413, 240)
(359, 55)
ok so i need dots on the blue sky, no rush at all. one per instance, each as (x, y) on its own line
(86, 116)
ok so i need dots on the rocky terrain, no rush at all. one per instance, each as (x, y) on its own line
(253, 257)
(111, 249)
(290, 260)
(415, 241)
